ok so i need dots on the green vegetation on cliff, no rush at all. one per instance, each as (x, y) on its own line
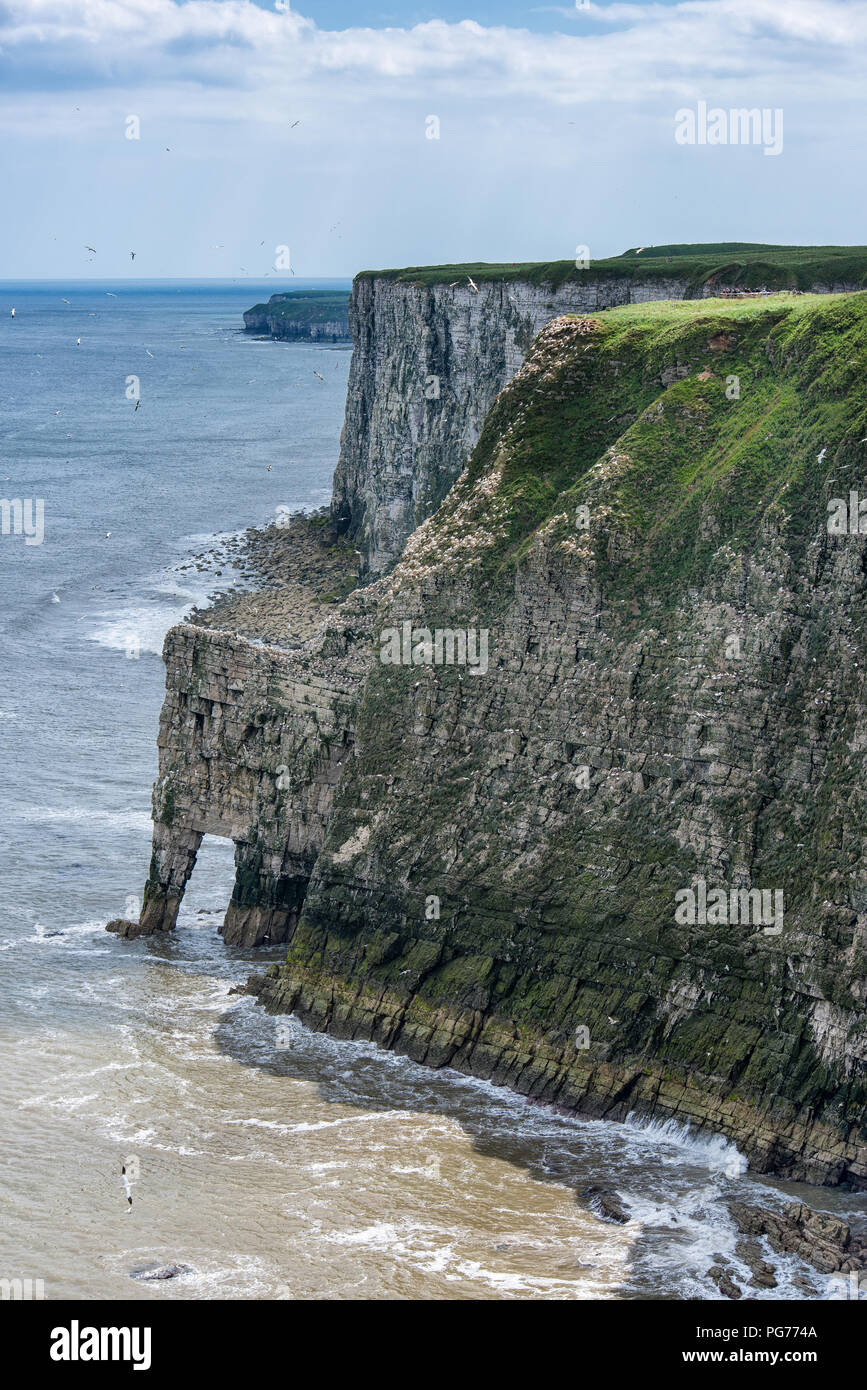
(739, 407)
(677, 693)
(744, 265)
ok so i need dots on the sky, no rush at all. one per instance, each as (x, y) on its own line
(336, 136)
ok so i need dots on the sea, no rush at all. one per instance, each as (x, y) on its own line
(264, 1161)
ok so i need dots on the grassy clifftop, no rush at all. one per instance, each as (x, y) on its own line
(740, 264)
(658, 414)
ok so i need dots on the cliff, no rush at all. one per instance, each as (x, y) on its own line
(434, 346)
(487, 868)
(311, 316)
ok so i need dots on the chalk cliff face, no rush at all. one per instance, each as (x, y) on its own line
(490, 869)
(428, 364)
(252, 741)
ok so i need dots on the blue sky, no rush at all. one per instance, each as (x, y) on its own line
(262, 126)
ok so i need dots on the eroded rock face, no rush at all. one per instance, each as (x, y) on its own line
(676, 694)
(252, 741)
(428, 364)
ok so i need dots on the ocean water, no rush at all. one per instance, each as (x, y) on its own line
(271, 1162)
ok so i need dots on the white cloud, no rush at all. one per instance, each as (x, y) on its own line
(705, 47)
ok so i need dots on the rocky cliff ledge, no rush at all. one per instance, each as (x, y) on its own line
(434, 346)
(492, 869)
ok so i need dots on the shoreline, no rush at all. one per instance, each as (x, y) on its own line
(291, 577)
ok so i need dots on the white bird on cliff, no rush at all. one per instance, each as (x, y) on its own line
(823, 453)
(126, 1187)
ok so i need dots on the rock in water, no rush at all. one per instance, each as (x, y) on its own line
(825, 1242)
(122, 926)
(151, 1275)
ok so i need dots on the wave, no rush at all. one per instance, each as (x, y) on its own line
(137, 629)
(117, 820)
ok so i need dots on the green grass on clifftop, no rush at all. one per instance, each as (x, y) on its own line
(743, 264)
(681, 426)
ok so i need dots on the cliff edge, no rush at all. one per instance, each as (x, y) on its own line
(435, 345)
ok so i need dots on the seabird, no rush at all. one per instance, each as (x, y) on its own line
(822, 455)
(148, 351)
(137, 404)
(91, 248)
(107, 534)
(126, 1186)
(13, 313)
(472, 284)
(109, 295)
(78, 342)
(294, 124)
(319, 374)
(612, 1020)
(132, 255)
(270, 466)
(65, 301)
